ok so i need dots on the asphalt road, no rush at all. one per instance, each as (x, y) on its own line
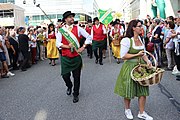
(40, 94)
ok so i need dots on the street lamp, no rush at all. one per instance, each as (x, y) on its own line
(34, 1)
(24, 1)
(38, 5)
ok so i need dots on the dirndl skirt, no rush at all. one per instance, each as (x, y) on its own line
(126, 86)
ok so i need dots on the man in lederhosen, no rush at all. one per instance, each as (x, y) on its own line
(71, 60)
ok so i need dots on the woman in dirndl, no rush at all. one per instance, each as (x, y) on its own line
(52, 51)
(116, 35)
(132, 48)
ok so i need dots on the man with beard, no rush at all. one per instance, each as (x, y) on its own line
(71, 60)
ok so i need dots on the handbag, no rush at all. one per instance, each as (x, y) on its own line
(150, 47)
(170, 45)
(155, 40)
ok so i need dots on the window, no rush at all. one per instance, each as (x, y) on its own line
(59, 16)
(7, 1)
(52, 16)
(43, 17)
(11, 1)
(36, 17)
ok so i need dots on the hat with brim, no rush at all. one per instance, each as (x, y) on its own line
(95, 19)
(66, 14)
(89, 21)
(115, 23)
(20, 29)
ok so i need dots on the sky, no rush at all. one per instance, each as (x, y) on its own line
(106, 4)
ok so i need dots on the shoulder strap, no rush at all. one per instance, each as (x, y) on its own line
(131, 43)
(70, 37)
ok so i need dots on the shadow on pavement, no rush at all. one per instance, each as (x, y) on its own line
(164, 91)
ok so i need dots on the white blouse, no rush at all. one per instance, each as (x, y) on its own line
(125, 46)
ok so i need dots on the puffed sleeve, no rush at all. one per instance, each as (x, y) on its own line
(59, 40)
(125, 45)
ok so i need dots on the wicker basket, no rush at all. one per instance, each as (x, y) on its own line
(152, 79)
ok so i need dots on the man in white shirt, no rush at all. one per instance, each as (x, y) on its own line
(71, 60)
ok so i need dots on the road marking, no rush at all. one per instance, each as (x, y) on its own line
(41, 115)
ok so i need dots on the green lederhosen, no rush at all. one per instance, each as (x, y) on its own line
(125, 86)
(98, 44)
(70, 64)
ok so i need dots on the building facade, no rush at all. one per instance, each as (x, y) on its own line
(11, 15)
(7, 1)
(84, 9)
(133, 9)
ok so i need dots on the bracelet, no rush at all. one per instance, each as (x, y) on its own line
(84, 46)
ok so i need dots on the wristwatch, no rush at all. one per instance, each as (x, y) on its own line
(84, 46)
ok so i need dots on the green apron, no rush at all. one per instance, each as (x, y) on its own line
(70, 64)
(125, 86)
(98, 44)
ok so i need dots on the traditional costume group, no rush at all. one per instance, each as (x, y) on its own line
(68, 41)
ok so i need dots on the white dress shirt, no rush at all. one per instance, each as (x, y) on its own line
(81, 31)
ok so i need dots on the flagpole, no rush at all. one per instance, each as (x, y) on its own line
(106, 18)
(109, 52)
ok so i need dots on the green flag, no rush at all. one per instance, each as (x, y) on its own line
(105, 16)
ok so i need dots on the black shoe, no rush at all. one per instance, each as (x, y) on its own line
(28, 66)
(178, 78)
(15, 68)
(100, 63)
(4, 76)
(75, 99)
(169, 69)
(91, 57)
(96, 61)
(54, 64)
(68, 92)
(118, 62)
(23, 69)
